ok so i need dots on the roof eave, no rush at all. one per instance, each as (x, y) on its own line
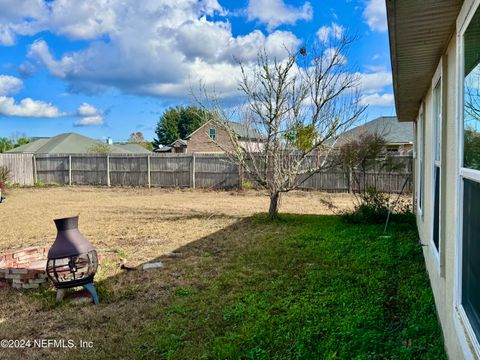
(419, 33)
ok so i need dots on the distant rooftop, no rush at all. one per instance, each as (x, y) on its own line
(389, 127)
(242, 131)
(73, 143)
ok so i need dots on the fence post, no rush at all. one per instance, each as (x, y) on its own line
(350, 181)
(193, 170)
(69, 170)
(35, 175)
(148, 171)
(108, 170)
(240, 176)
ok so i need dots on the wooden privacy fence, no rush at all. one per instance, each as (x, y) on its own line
(180, 170)
(20, 166)
(160, 170)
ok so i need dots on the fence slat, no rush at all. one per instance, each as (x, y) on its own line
(214, 171)
(20, 167)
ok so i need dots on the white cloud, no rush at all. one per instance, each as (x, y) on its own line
(9, 84)
(275, 12)
(27, 108)
(375, 14)
(179, 46)
(23, 17)
(90, 115)
(325, 33)
(384, 100)
(7, 37)
(374, 82)
(90, 121)
(333, 56)
(87, 110)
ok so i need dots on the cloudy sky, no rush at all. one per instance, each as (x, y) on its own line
(110, 67)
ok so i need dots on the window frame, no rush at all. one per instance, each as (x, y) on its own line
(468, 339)
(436, 121)
(420, 161)
(214, 137)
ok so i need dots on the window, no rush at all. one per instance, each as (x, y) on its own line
(470, 177)
(437, 145)
(212, 133)
(421, 152)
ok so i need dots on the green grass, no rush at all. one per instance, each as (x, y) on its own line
(303, 287)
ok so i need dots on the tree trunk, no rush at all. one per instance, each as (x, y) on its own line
(274, 202)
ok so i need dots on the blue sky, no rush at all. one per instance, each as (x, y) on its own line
(107, 68)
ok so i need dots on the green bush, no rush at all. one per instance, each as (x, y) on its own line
(247, 185)
(373, 207)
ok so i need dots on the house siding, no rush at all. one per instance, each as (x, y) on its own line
(442, 269)
(200, 141)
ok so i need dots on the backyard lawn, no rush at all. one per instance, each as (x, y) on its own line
(308, 286)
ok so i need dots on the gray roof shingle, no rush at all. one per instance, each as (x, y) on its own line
(72, 143)
(389, 127)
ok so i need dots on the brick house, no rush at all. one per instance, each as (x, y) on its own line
(207, 136)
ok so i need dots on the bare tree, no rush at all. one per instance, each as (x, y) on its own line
(297, 106)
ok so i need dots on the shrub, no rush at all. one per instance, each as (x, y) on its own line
(4, 175)
(247, 185)
(373, 207)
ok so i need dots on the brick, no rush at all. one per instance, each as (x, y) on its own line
(19, 271)
(4, 270)
(30, 286)
(29, 275)
(39, 264)
(37, 281)
(35, 272)
(17, 286)
(26, 252)
(13, 276)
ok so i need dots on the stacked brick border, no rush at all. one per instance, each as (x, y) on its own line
(24, 268)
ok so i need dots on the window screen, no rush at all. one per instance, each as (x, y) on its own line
(471, 252)
(471, 118)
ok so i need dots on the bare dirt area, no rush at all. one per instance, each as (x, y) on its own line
(133, 226)
(140, 223)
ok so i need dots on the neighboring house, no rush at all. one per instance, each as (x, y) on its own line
(133, 148)
(398, 135)
(179, 146)
(435, 52)
(210, 138)
(72, 143)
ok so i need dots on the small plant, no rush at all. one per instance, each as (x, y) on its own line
(39, 183)
(4, 175)
(4, 178)
(247, 185)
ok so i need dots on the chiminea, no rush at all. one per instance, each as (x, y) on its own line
(72, 260)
